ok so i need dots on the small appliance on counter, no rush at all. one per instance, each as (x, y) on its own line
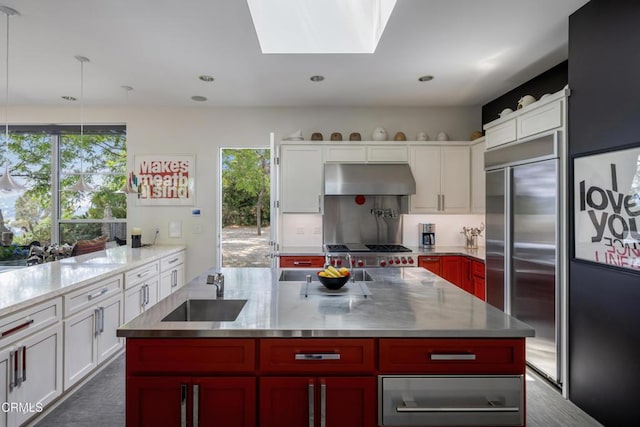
(427, 233)
(136, 238)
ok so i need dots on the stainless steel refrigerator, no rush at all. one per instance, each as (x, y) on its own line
(523, 242)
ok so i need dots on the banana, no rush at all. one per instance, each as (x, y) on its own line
(331, 271)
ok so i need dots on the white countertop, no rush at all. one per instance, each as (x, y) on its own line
(27, 286)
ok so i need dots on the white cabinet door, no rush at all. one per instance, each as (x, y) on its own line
(110, 319)
(42, 376)
(478, 177)
(345, 153)
(455, 179)
(387, 153)
(425, 165)
(140, 297)
(4, 382)
(79, 346)
(170, 281)
(300, 179)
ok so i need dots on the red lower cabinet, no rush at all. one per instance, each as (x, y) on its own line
(311, 401)
(191, 401)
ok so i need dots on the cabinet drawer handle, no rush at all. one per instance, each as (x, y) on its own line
(430, 259)
(317, 356)
(97, 294)
(453, 356)
(16, 328)
(144, 273)
(408, 408)
(301, 262)
(311, 397)
(173, 260)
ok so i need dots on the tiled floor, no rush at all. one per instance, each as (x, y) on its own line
(100, 403)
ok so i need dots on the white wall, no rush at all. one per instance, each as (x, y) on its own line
(203, 131)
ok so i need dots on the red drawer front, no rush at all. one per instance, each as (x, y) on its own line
(477, 268)
(316, 355)
(302, 262)
(452, 356)
(190, 356)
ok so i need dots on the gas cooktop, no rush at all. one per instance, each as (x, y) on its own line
(359, 247)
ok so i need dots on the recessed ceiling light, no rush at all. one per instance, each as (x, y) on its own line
(198, 98)
(316, 78)
(425, 78)
(206, 78)
(69, 98)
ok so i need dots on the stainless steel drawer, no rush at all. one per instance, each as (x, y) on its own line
(451, 400)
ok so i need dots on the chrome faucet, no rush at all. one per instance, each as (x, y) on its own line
(217, 280)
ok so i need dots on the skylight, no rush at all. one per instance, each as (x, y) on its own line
(320, 26)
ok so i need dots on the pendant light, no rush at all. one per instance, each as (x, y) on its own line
(7, 183)
(131, 183)
(81, 185)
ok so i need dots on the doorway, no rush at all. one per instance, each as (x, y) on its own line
(245, 207)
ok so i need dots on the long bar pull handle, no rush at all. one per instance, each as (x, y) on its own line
(12, 369)
(323, 404)
(452, 356)
(101, 320)
(16, 328)
(96, 323)
(19, 361)
(408, 407)
(183, 405)
(173, 260)
(97, 294)
(174, 278)
(24, 363)
(317, 356)
(311, 393)
(196, 404)
(319, 203)
(301, 262)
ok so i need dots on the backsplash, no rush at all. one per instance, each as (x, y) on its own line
(448, 228)
(306, 229)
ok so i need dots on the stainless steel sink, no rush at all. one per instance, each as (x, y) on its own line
(300, 275)
(207, 310)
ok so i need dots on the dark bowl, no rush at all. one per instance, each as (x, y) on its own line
(333, 283)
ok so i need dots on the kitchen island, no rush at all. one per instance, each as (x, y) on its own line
(297, 356)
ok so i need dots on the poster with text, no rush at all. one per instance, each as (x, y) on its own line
(607, 208)
(165, 179)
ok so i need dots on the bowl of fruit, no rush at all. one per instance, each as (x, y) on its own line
(334, 278)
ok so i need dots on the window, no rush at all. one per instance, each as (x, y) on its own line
(48, 160)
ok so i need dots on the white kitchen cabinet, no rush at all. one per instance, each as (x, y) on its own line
(141, 289)
(140, 298)
(425, 166)
(541, 116)
(301, 179)
(345, 153)
(398, 153)
(442, 177)
(90, 338)
(32, 374)
(478, 176)
(171, 274)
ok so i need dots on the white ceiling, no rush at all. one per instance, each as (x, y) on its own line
(476, 49)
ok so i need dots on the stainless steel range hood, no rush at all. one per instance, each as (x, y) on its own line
(383, 179)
